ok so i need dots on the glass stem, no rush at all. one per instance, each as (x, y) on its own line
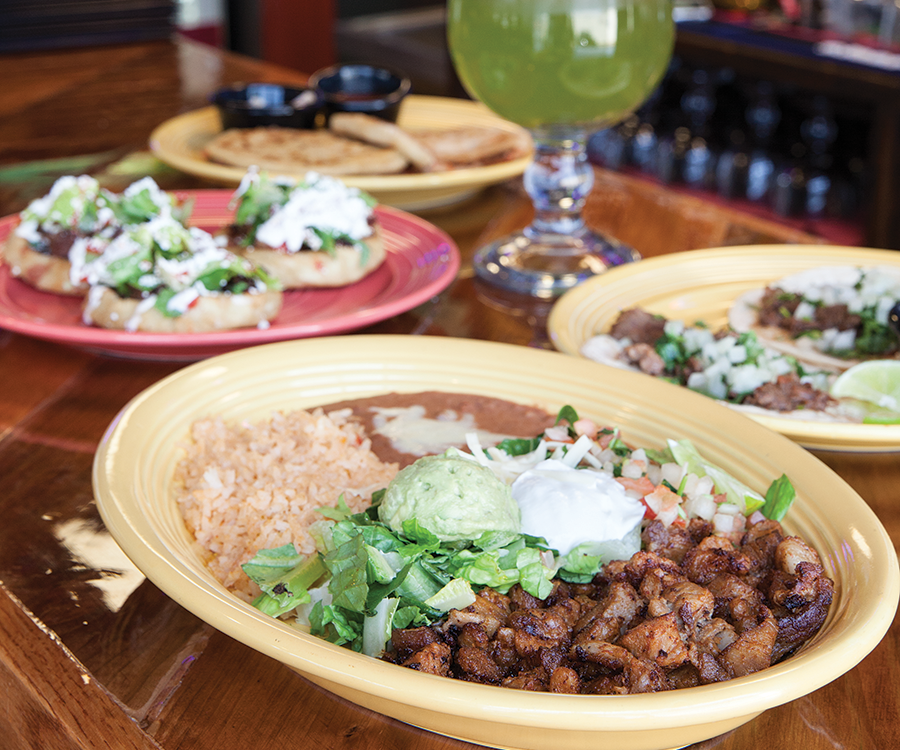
(558, 180)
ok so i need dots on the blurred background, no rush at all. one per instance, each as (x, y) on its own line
(789, 109)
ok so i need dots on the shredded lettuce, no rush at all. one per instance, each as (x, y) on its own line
(259, 200)
(581, 564)
(377, 629)
(367, 579)
(284, 577)
(457, 594)
(367, 564)
(685, 454)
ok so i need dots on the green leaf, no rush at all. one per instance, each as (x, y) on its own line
(485, 569)
(660, 456)
(380, 591)
(347, 564)
(779, 496)
(340, 513)
(583, 562)
(381, 537)
(216, 278)
(320, 531)
(344, 531)
(672, 351)
(379, 569)
(329, 240)
(497, 539)
(284, 577)
(409, 616)
(136, 208)
(269, 565)
(534, 576)
(457, 594)
(619, 447)
(567, 414)
(129, 271)
(412, 529)
(518, 446)
(421, 583)
(259, 201)
(89, 217)
(751, 343)
(336, 625)
(874, 338)
(377, 629)
(163, 296)
(364, 252)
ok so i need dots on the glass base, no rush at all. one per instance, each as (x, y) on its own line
(546, 265)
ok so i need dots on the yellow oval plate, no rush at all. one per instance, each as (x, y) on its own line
(134, 465)
(701, 285)
(180, 141)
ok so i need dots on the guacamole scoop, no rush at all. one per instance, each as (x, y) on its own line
(454, 497)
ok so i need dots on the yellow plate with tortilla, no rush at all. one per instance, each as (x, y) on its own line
(179, 142)
(701, 285)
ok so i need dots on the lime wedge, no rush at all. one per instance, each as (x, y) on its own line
(876, 382)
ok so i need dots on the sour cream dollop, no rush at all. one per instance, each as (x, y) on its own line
(569, 507)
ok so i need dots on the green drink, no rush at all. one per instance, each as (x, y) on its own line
(575, 62)
(559, 68)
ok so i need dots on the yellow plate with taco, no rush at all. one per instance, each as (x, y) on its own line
(705, 287)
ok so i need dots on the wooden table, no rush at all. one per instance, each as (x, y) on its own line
(90, 658)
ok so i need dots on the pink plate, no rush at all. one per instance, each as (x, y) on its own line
(421, 262)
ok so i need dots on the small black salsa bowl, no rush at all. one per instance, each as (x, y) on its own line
(361, 88)
(258, 104)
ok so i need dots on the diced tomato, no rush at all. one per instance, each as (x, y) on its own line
(664, 498)
(586, 427)
(643, 485)
(664, 503)
(648, 511)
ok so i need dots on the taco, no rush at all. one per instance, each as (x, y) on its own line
(831, 316)
(734, 368)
